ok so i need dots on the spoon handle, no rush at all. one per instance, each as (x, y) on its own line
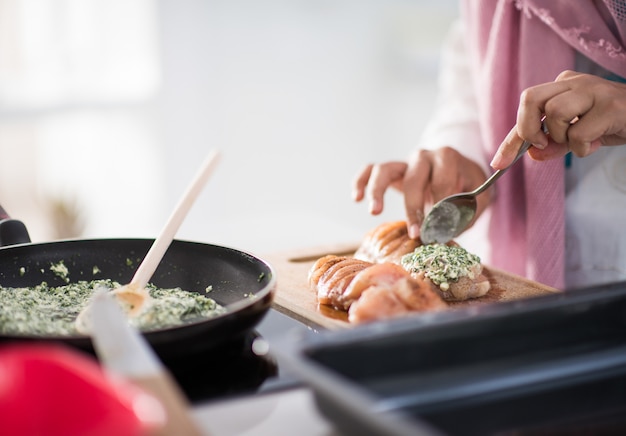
(523, 149)
(163, 241)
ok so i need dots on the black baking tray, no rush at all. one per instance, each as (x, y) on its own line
(554, 364)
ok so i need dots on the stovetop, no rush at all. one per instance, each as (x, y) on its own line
(238, 367)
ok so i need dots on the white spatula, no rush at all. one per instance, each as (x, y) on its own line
(134, 296)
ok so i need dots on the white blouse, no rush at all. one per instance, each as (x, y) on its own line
(595, 203)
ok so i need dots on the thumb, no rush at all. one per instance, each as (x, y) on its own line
(414, 206)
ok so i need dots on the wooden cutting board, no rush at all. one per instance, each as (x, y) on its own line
(296, 299)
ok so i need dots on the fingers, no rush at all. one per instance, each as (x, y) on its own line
(413, 178)
(581, 112)
(507, 151)
(552, 151)
(446, 173)
(556, 101)
(376, 188)
(531, 110)
(581, 134)
(360, 182)
(425, 178)
(416, 182)
(373, 181)
(433, 175)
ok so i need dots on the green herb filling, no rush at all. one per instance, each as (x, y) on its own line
(441, 263)
(48, 310)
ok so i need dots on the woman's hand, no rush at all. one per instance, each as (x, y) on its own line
(582, 112)
(426, 178)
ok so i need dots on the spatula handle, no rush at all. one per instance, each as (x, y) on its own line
(163, 241)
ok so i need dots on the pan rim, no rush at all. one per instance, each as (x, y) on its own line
(264, 296)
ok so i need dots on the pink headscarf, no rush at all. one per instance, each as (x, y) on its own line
(516, 44)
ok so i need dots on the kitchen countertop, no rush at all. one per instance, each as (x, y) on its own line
(291, 411)
(281, 406)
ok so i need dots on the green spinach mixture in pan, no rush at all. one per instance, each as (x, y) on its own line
(47, 310)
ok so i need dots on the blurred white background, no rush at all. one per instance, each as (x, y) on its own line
(107, 108)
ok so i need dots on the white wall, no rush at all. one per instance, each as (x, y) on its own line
(298, 95)
(110, 106)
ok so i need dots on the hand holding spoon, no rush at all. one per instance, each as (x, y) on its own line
(450, 216)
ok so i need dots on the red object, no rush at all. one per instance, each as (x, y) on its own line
(54, 390)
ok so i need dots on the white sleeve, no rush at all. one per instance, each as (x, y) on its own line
(454, 118)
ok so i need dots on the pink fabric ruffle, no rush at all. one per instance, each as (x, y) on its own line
(516, 44)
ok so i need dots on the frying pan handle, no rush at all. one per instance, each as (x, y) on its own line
(3, 214)
(12, 231)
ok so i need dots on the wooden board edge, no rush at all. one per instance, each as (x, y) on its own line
(314, 321)
(311, 254)
(521, 279)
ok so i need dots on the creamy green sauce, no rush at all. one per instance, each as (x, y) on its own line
(46, 310)
(441, 263)
(61, 271)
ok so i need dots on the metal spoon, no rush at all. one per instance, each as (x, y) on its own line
(450, 216)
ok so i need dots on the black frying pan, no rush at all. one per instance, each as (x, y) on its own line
(234, 275)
